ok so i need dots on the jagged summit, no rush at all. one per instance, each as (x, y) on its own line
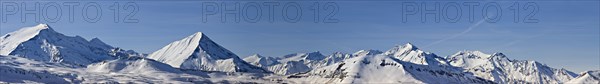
(480, 54)
(410, 45)
(198, 52)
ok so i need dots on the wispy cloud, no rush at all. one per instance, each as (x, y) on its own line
(459, 34)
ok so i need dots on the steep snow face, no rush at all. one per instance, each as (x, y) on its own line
(11, 41)
(411, 53)
(382, 69)
(497, 67)
(198, 52)
(587, 77)
(42, 43)
(136, 65)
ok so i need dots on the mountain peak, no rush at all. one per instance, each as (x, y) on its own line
(42, 43)
(45, 26)
(198, 52)
(96, 40)
(256, 55)
(410, 46)
(315, 56)
(11, 40)
(402, 49)
(200, 34)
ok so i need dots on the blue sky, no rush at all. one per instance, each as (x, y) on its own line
(566, 36)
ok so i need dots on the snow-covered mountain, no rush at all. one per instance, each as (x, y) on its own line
(587, 77)
(411, 53)
(302, 62)
(198, 52)
(41, 55)
(497, 67)
(15, 69)
(42, 43)
(382, 69)
(261, 61)
(401, 64)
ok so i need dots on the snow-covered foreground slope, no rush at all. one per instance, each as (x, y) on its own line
(198, 52)
(44, 44)
(497, 67)
(587, 77)
(131, 65)
(15, 69)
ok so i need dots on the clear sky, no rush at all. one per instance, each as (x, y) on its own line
(566, 35)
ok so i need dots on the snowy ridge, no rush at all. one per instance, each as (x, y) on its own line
(382, 69)
(587, 77)
(198, 52)
(42, 43)
(10, 41)
(261, 61)
(497, 67)
(304, 62)
(131, 65)
(411, 53)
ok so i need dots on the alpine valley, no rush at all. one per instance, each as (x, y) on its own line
(40, 54)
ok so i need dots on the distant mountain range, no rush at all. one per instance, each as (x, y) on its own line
(39, 54)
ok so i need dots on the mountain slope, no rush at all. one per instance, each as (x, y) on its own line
(42, 43)
(303, 62)
(261, 61)
(497, 67)
(411, 53)
(198, 52)
(382, 69)
(131, 65)
(587, 77)
(15, 69)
